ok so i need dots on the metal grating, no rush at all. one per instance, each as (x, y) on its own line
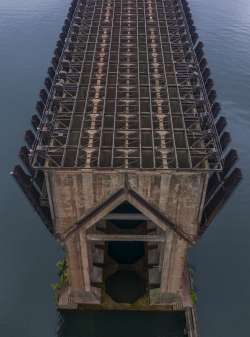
(128, 93)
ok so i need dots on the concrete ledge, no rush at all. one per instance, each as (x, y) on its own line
(159, 298)
(71, 298)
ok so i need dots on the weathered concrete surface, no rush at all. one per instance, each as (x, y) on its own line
(178, 197)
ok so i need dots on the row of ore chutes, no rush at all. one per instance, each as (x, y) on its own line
(30, 180)
(220, 184)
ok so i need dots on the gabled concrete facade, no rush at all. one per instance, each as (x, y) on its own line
(170, 203)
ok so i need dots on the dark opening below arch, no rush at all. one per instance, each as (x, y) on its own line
(125, 252)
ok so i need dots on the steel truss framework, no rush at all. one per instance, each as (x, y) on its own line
(128, 93)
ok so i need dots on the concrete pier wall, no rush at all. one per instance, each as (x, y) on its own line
(172, 202)
(177, 196)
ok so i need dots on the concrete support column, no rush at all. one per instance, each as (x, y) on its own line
(80, 290)
(173, 263)
(85, 260)
(74, 263)
(166, 259)
(178, 264)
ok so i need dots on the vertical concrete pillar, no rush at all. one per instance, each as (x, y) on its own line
(166, 258)
(85, 260)
(74, 263)
(80, 290)
(173, 263)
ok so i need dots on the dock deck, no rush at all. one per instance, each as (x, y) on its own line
(128, 93)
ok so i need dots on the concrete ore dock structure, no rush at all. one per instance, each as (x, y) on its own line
(129, 163)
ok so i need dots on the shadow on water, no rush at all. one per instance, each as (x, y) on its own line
(122, 324)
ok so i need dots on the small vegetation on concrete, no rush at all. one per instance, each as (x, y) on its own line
(62, 275)
(193, 296)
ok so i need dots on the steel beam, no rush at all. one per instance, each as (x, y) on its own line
(123, 237)
(126, 216)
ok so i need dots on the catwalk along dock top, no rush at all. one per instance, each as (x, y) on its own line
(128, 92)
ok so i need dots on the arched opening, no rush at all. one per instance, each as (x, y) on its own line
(126, 255)
(126, 281)
(125, 286)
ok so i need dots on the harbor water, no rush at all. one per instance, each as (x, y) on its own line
(28, 254)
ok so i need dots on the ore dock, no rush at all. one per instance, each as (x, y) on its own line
(128, 161)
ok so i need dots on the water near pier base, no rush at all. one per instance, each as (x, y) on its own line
(122, 324)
